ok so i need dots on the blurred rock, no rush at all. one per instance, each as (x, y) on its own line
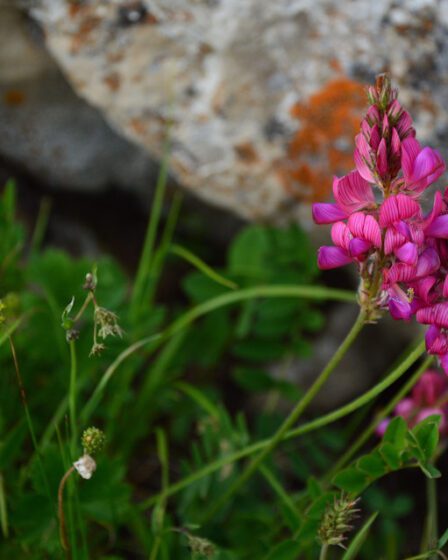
(263, 97)
(46, 129)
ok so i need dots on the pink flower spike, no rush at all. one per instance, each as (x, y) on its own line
(353, 193)
(407, 253)
(327, 213)
(332, 257)
(375, 137)
(396, 208)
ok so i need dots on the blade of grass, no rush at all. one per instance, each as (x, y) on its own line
(3, 509)
(355, 546)
(146, 258)
(202, 266)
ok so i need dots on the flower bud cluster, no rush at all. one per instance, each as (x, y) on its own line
(400, 251)
(337, 521)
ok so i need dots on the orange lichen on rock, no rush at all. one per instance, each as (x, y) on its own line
(14, 97)
(323, 144)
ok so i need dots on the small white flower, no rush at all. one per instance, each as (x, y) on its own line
(85, 466)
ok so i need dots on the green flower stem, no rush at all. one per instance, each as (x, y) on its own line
(361, 440)
(72, 397)
(432, 529)
(323, 552)
(324, 420)
(292, 418)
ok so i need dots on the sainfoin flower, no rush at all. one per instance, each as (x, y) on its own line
(429, 396)
(378, 222)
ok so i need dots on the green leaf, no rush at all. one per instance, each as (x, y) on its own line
(443, 540)
(287, 550)
(351, 480)
(391, 455)
(430, 471)
(249, 251)
(356, 544)
(426, 435)
(396, 433)
(372, 464)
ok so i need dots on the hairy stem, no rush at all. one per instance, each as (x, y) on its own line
(61, 517)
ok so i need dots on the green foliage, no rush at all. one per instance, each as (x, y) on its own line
(170, 404)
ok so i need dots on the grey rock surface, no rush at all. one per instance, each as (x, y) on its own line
(46, 129)
(262, 98)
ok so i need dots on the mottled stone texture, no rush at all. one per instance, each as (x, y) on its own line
(262, 97)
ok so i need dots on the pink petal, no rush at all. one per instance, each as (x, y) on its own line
(394, 110)
(428, 166)
(410, 148)
(362, 166)
(407, 253)
(405, 408)
(380, 430)
(404, 124)
(422, 288)
(396, 208)
(373, 115)
(436, 210)
(357, 247)
(399, 272)
(340, 235)
(375, 137)
(381, 160)
(428, 263)
(436, 342)
(436, 314)
(438, 228)
(395, 144)
(392, 240)
(444, 362)
(430, 387)
(445, 287)
(366, 227)
(332, 257)
(352, 192)
(326, 213)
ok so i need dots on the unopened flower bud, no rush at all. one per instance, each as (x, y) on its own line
(337, 521)
(93, 440)
(201, 547)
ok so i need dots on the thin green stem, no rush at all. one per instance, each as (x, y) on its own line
(146, 258)
(207, 270)
(432, 529)
(41, 224)
(72, 398)
(29, 420)
(3, 509)
(308, 427)
(293, 416)
(323, 552)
